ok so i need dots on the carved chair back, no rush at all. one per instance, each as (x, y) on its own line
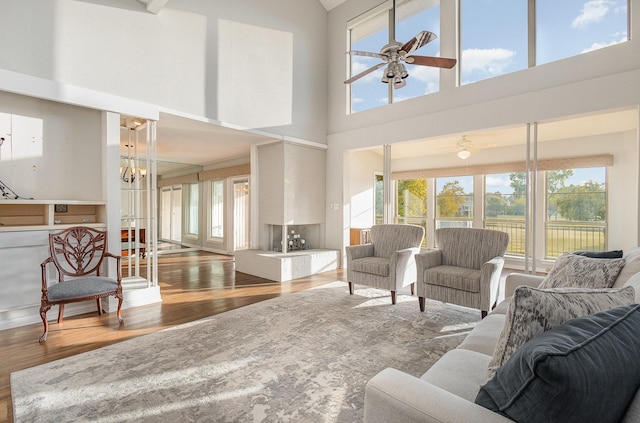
(78, 251)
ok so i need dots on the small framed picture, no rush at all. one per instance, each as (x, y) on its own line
(60, 208)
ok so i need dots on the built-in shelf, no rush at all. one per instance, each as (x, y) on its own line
(29, 215)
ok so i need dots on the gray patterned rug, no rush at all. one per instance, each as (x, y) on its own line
(302, 357)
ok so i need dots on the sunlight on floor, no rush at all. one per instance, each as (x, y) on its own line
(54, 400)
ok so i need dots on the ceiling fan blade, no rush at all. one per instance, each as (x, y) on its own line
(438, 62)
(418, 41)
(366, 54)
(363, 73)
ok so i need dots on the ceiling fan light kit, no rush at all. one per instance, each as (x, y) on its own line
(464, 154)
(394, 53)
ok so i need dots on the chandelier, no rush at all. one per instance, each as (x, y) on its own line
(129, 173)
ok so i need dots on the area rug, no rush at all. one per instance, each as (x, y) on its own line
(303, 357)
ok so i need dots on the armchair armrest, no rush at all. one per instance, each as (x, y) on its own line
(428, 259)
(490, 275)
(402, 264)
(43, 267)
(118, 267)
(358, 251)
(394, 396)
(514, 280)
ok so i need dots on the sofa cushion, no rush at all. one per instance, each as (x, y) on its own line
(571, 270)
(631, 267)
(460, 372)
(454, 277)
(374, 265)
(584, 370)
(533, 311)
(613, 254)
(485, 334)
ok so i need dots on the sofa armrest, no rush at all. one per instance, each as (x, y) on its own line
(428, 259)
(358, 251)
(514, 280)
(394, 396)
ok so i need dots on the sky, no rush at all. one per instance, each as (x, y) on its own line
(493, 42)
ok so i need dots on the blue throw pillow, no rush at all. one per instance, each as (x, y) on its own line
(613, 254)
(586, 370)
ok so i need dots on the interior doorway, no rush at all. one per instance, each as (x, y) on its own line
(241, 214)
(171, 214)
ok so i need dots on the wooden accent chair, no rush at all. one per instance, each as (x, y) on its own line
(78, 256)
(464, 268)
(388, 261)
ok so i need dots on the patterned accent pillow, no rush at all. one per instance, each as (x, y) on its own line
(533, 311)
(574, 271)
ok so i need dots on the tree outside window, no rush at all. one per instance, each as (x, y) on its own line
(576, 211)
(454, 205)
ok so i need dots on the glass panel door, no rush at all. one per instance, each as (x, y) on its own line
(241, 214)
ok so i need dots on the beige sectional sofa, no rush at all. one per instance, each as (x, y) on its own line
(447, 391)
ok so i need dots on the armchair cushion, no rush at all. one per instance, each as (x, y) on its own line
(374, 265)
(83, 287)
(533, 311)
(584, 370)
(454, 277)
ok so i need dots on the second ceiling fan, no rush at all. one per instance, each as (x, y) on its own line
(395, 53)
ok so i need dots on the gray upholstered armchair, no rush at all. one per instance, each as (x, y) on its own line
(388, 261)
(464, 268)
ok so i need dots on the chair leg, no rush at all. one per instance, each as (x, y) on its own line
(351, 288)
(393, 297)
(421, 302)
(120, 298)
(60, 313)
(413, 288)
(43, 315)
(99, 303)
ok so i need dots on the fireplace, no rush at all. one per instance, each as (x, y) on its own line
(290, 238)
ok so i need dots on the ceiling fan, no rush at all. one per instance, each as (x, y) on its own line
(466, 147)
(395, 53)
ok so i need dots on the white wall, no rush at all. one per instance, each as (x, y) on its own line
(599, 80)
(175, 59)
(64, 157)
(361, 169)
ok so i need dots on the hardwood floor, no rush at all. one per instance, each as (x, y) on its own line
(193, 285)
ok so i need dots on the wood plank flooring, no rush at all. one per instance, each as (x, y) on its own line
(193, 285)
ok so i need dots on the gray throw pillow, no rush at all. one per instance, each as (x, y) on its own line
(571, 270)
(533, 311)
(586, 370)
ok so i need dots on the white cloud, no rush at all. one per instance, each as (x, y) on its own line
(592, 12)
(493, 181)
(596, 46)
(491, 60)
(360, 64)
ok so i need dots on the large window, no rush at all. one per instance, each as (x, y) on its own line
(570, 27)
(411, 204)
(494, 34)
(504, 208)
(370, 33)
(493, 38)
(576, 202)
(454, 202)
(379, 199)
(217, 209)
(193, 209)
